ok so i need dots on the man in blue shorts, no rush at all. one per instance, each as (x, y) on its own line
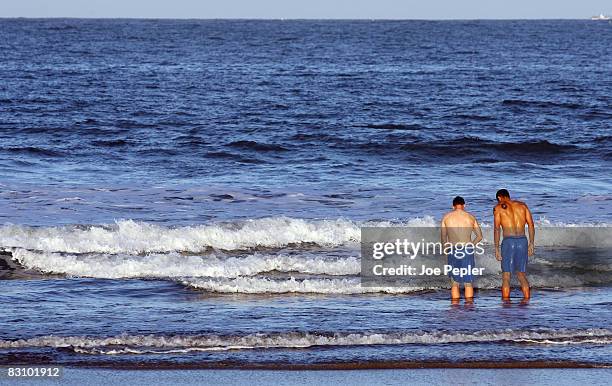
(512, 216)
(457, 228)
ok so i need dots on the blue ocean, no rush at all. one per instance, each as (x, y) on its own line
(191, 192)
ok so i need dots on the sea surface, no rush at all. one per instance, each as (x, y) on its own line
(191, 193)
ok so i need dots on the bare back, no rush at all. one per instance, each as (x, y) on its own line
(458, 226)
(512, 216)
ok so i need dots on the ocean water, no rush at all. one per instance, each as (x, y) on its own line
(191, 192)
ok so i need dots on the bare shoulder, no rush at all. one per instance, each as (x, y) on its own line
(445, 217)
(521, 204)
(497, 207)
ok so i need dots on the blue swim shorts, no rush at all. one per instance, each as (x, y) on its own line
(456, 261)
(514, 254)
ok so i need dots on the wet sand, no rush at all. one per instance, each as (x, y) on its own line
(453, 377)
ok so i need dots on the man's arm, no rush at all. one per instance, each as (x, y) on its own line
(496, 232)
(478, 231)
(529, 218)
(443, 234)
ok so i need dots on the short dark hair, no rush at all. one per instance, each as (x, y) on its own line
(502, 193)
(458, 201)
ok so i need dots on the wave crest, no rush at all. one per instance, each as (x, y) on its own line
(132, 237)
(160, 344)
(128, 236)
(176, 265)
(353, 285)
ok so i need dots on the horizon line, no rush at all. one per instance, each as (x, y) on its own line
(281, 18)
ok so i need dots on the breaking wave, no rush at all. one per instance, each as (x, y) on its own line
(163, 344)
(265, 285)
(132, 237)
(304, 271)
(176, 265)
(353, 285)
(201, 256)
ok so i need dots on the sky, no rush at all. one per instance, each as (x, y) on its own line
(308, 9)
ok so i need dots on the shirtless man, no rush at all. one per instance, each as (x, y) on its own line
(512, 216)
(457, 228)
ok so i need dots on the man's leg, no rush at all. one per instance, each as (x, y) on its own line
(505, 285)
(522, 278)
(469, 292)
(455, 292)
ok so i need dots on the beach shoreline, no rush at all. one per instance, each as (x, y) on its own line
(328, 366)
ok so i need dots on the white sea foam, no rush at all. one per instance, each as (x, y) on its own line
(238, 274)
(176, 265)
(565, 235)
(161, 344)
(132, 237)
(352, 285)
(265, 285)
(587, 263)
